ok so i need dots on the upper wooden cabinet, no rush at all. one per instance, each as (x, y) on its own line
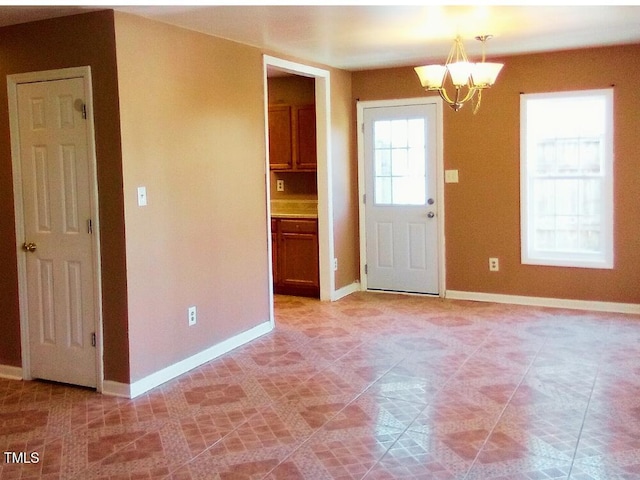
(292, 137)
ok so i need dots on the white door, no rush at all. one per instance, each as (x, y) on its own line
(58, 247)
(401, 227)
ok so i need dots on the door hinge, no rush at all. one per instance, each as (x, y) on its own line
(366, 269)
(89, 226)
(93, 339)
(84, 111)
(362, 127)
(364, 198)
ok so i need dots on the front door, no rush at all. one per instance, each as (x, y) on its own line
(401, 227)
(58, 244)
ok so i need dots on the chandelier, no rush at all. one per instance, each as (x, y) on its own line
(468, 78)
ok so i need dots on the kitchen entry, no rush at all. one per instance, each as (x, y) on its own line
(293, 184)
(399, 150)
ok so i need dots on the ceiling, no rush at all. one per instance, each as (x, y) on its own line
(357, 37)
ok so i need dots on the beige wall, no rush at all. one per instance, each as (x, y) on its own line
(192, 110)
(73, 41)
(345, 180)
(483, 210)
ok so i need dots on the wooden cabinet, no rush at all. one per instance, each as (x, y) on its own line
(295, 257)
(274, 251)
(305, 138)
(292, 137)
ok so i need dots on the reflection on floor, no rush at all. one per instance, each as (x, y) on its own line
(373, 386)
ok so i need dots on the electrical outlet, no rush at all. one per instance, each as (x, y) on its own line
(191, 314)
(335, 264)
(280, 185)
(494, 264)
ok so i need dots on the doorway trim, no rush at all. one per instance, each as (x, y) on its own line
(325, 185)
(12, 83)
(440, 215)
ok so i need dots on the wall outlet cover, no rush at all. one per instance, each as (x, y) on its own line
(192, 316)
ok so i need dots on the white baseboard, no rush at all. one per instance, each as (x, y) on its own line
(11, 373)
(611, 307)
(116, 389)
(158, 378)
(346, 290)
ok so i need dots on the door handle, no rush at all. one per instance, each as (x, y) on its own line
(431, 214)
(29, 247)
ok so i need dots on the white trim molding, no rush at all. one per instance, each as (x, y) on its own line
(145, 384)
(346, 290)
(611, 307)
(11, 373)
(116, 389)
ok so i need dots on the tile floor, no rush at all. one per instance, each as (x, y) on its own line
(374, 386)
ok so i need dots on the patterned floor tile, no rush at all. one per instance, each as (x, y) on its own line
(393, 385)
(420, 456)
(342, 453)
(373, 386)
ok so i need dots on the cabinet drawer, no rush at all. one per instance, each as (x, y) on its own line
(298, 226)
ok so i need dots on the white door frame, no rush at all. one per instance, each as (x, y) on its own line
(361, 106)
(12, 83)
(323, 144)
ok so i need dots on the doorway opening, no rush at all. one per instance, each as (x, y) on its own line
(320, 199)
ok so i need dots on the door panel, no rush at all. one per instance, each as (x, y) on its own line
(384, 244)
(57, 208)
(400, 185)
(417, 235)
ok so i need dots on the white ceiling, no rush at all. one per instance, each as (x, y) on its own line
(356, 37)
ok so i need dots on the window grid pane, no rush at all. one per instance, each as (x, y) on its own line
(400, 157)
(566, 209)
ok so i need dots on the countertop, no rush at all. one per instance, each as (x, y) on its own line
(294, 208)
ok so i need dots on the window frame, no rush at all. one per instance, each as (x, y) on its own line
(604, 258)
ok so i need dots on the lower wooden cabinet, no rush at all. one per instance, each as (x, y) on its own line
(295, 257)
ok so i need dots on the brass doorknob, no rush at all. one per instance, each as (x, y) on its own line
(29, 247)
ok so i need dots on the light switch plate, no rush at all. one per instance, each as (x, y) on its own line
(142, 196)
(451, 176)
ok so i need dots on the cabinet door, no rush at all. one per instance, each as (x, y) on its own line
(280, 138)
(274, 250)
(298, 254)
(306, 156)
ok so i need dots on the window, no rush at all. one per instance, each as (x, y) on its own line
(567, 178)
(399, 167)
